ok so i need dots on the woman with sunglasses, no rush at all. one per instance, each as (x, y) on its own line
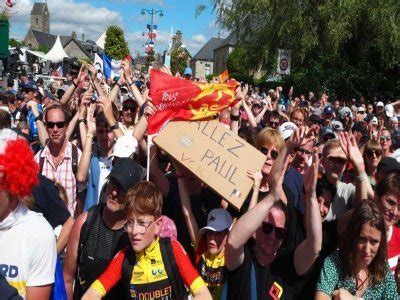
(128, 116)
(358, 269)
(372, 157)
(253, 272)
(385, 140)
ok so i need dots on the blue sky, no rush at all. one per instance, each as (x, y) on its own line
(93, 17)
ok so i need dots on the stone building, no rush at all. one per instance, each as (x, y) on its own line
(202, 63)
(222, 52)
(40, 17)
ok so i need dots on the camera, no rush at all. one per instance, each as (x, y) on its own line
(73, 66)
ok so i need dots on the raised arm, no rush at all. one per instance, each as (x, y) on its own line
(71, 125)
(71, 89)
(83, 167)
(42, 133)
(106, 105)
(141, 126)
(131, 84)
(307, 252)
(257, 177)
(349, 146)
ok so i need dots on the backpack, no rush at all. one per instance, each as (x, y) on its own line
(92, 214)
(179, 290)
(74, 160)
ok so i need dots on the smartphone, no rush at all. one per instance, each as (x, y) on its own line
(94, 97)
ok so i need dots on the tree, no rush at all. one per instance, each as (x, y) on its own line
(43, 48)
(237, 61)
(150, 57)
(179, 59)
(350, 47)
(15, 43)
(115, 45)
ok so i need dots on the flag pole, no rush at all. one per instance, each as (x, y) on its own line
(148, 158)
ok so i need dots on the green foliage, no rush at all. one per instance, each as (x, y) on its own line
(350, 47)
(237, 61)
(209, 77)
(43, 48)
(150, 57)
(179, 59)
(4, 16)
(15, 43)
(115, 45)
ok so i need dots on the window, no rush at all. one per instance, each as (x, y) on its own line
(37, 21)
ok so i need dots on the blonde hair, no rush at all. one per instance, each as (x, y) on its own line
(270, 137)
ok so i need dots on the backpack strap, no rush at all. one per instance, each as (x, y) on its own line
(92, 214)
(74, 159)
(178, 288)
(41, 162)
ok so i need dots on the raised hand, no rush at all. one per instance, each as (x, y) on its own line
(126, 67)
(90, 119)
(311, 174)
(350, 148)
(150, 109)
(300, 137)
(92, 71)
(256, 176)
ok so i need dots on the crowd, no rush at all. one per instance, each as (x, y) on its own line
(78, 220)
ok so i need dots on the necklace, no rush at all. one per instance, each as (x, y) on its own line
(359, 282)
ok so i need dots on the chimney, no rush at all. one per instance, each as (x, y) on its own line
(83, 37)
(73, 35)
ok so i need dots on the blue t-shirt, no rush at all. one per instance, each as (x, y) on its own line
(294, 180)
(33, 131)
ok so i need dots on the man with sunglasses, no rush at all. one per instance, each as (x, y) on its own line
(58, 157)
(255, 270)
(129, 109)
(98, 234)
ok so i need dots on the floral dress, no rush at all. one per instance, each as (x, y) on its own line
(331, 279)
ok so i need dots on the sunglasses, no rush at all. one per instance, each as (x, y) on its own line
(58, 124)
(274, 154)
(302, 151)
(385, 138)
(370, 153)
(132, 109)
(280, 232)
(273, 124)
(337, 160)
(361, 112)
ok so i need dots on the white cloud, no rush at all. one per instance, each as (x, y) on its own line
(199, 38)
(67, 16)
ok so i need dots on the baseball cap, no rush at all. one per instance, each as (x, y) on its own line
(218, 220)
(387, 165)
(126, 172)
(337, 125)
(380, 104)
(187, 71)
(327, 132)
(374, 121)
(125, 146)
(315, 119)
(345, 111)
(286, 129)
(31, 85)
(328, 110)
(256, 102)
(282, 107)
(361, 109)
(49, 95)
(389, 110)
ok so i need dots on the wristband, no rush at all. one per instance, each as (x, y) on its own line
(73, 82)
(115, 126)
(81, 121)
(89, 135)
(234, 118)
(129, 83)
(362, 177)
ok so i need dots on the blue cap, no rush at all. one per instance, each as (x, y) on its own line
(49, 95)
(31, 85)
(328, 110)
(187, 71)
(326, 130)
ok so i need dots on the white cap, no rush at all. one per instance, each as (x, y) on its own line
(337, 125)
(380, 103)
(389, 110)
(286, 129)
(361, 109)
(282, 107)
(125, 146)
(218, 220)
(374, 121)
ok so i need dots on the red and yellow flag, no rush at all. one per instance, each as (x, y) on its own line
(180, 99)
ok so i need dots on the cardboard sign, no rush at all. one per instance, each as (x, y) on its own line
(216, 155)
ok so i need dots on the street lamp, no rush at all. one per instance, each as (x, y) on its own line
(152, 13)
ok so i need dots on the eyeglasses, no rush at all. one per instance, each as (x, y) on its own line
(385, 138)
(274, 154)
(337, 160)
(141, 226)
(280, 232)
(370, 153)
(273, 124)
(302, 151)
(58, 124)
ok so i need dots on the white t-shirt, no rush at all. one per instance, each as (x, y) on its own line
(342, 202)
(105, 164)
(27, 249)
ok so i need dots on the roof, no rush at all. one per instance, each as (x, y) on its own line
(84, 46)
(231, 40)
(38, 8)
(207, 51)
(48, 39)
(57, 52)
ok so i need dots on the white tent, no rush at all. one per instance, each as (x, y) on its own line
(57, 53)
(101, 40)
